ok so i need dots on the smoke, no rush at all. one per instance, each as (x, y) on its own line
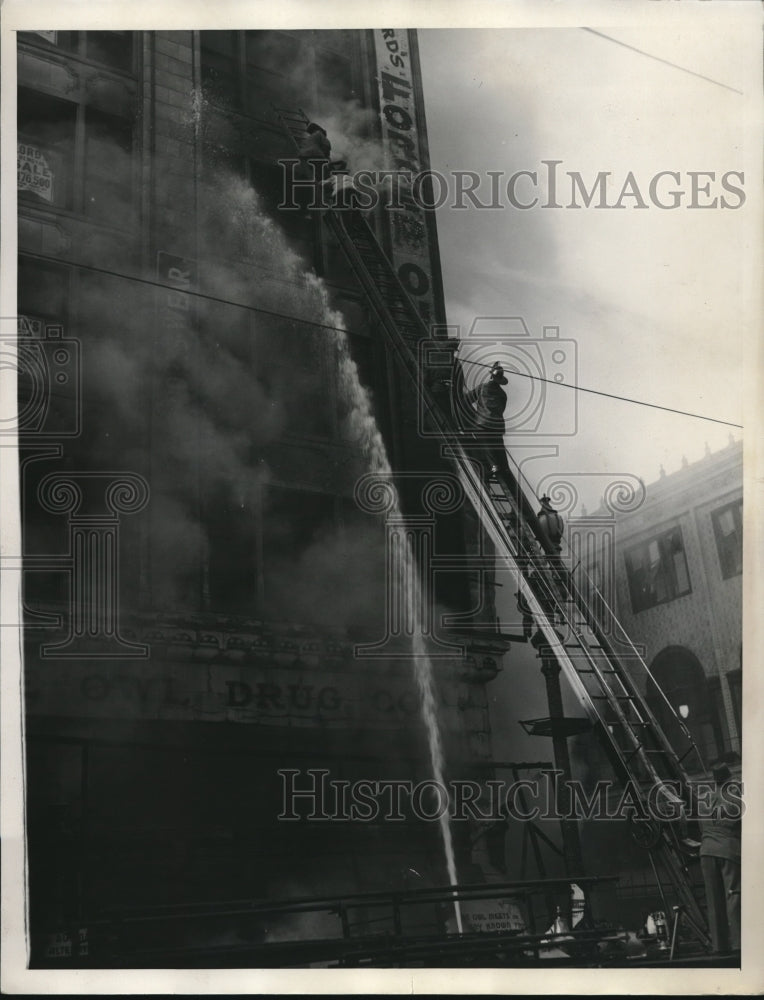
(197, 393)
(350, 128)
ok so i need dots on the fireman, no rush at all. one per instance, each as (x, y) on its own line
(551, 523)
(489, 402)
(720, 860)
(315, 150)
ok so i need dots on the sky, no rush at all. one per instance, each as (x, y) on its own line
(655, 300)
(658, 302)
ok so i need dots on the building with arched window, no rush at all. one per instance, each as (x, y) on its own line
(671, 567)
(677, 582)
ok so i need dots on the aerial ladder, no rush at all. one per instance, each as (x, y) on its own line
(610, 685)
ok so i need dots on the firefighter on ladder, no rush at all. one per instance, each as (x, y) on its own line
(314, 151)
(489, 401)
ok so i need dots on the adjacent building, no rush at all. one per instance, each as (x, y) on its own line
(670, 565)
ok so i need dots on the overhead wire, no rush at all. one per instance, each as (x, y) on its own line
(339, 329)
(666, 62)
(610, 395)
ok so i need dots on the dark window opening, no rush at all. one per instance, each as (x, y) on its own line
(334, 76)
(682, 686)
(303, 383)
(657, 570)
(111, 48)
(42, 294)
(220, 65)
(45, 149)
(295, 524)
(231, 529)
(108, 168)
(728, 530)
(276, 70)
(269, 181)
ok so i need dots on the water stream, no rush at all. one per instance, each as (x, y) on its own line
(363, 426)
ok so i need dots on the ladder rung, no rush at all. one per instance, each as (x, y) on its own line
(615, 697)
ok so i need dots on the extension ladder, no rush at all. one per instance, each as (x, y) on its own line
(605, 682)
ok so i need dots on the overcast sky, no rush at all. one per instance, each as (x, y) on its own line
(653, 298)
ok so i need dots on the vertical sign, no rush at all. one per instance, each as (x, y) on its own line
(175, 305)
(401, 143)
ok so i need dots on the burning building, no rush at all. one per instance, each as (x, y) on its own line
(209, 605)
(257, 601)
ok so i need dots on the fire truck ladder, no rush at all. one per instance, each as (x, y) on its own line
(609, 692)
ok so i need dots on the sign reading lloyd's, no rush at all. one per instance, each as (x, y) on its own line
(401, 142)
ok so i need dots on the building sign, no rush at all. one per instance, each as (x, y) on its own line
(403, 156)
(264, 694)
(66, 944)
(30, 326)
(33, 171)
(487, 916)
(175, 304)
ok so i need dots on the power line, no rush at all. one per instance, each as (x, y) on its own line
(340, 329)
(610, 395)
(665, 61)
(186, 291)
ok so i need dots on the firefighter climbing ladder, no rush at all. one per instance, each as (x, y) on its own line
(605, 686)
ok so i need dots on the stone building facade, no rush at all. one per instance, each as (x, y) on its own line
(202, 584)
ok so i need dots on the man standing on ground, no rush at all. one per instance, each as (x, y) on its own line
(720, 862)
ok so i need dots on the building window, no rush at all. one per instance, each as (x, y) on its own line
(108, 168)
(681, 691)
(110, 48)
(252, 69)
(220, 67)
(657, 570)
(113, 48)
(728, 529)
(43, 295)
(295, 365)
(298, 528)
(276, 70)
(334, 78)
(46, 130)
(53, 136)
(230, 522)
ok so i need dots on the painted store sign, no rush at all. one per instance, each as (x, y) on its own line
(403, 155)
(33, 171)
(264, 694)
